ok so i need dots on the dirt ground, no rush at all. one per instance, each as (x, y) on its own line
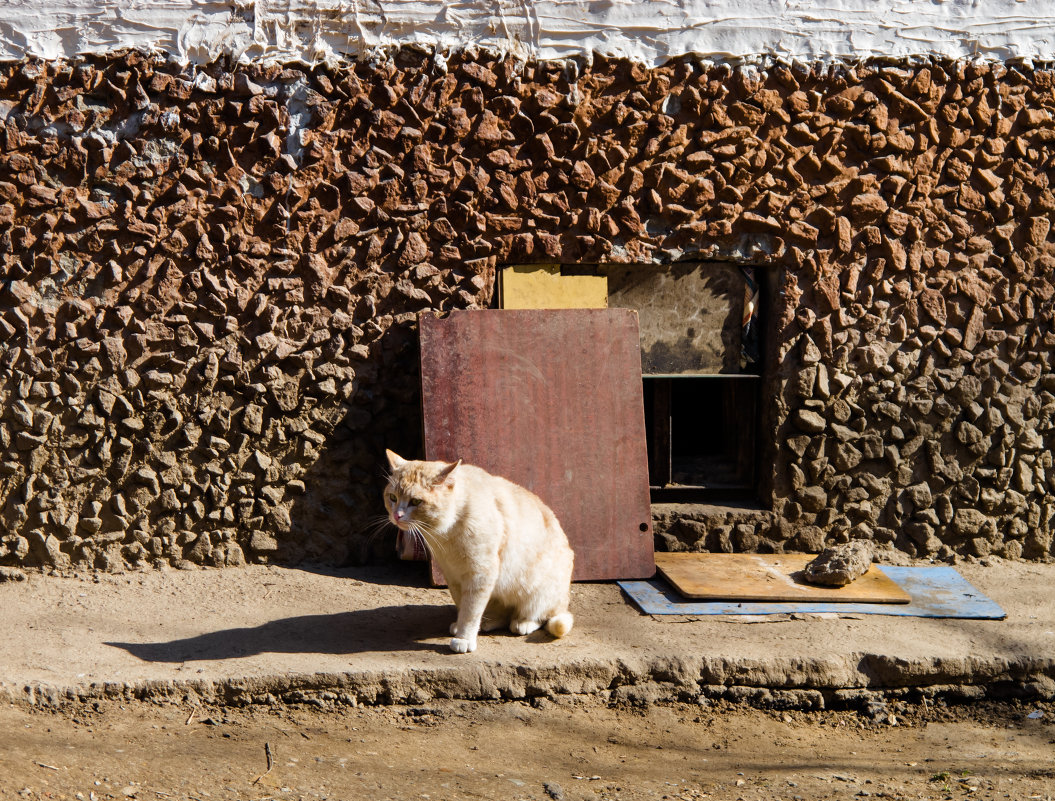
(565, 749)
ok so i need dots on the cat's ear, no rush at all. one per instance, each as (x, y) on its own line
(445, 474)
(395, 461)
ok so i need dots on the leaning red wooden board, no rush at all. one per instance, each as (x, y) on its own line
(552, 400)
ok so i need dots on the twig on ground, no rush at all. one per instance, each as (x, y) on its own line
(49, 767)
(270, 763)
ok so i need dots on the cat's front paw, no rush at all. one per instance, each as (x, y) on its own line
(461, 645)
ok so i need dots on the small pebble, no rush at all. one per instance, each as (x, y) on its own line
(553, 790)
(11, 574)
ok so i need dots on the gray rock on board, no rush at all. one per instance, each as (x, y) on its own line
(839, 565)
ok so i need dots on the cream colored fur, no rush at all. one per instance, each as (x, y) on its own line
(505, 557)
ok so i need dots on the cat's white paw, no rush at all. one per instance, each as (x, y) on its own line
(461, 645)
(522, 627)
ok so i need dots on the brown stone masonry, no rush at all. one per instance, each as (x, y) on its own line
(210, 280)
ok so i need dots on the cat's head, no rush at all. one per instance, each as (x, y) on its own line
(418, 493)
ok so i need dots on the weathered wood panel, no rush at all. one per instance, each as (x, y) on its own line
(539, 286)
(550, 399)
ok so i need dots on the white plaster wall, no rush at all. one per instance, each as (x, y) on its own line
(651, 32)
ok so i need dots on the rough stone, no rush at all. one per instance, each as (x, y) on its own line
(262, 542)
(968, 522)
(809, 421)
(11, 574)
(813, 499)
(840, 564)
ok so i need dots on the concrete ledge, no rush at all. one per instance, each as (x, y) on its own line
(369, 636)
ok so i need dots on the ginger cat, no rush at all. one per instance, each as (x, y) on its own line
(505, 557)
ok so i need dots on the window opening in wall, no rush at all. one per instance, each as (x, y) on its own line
(701, 355)
(702, 348)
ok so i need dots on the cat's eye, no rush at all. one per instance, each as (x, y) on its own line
(392, 497)
(414, 501)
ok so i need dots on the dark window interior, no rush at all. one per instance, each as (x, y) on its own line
(701, 436)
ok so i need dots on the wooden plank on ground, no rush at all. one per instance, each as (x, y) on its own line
(767, 577)
(552, 400)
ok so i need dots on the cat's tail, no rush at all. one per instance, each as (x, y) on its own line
(560, 624)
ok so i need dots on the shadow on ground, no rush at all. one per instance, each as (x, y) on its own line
(393, 573)
(385, 629)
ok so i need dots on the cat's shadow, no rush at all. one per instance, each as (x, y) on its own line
(384, 629)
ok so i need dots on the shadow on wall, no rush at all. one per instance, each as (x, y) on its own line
(338, 518)
(385, 629)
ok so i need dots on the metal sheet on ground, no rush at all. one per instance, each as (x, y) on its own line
(938, 592)
(767, 577)
(550, 399)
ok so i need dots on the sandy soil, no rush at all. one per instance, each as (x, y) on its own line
(571, 749)
(377, 633)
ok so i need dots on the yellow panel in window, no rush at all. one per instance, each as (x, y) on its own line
(543, 287)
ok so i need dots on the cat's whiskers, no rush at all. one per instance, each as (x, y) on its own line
(420, 538)
(427, 535)
(375, 527)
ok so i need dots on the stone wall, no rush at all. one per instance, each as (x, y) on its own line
(211, 279)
